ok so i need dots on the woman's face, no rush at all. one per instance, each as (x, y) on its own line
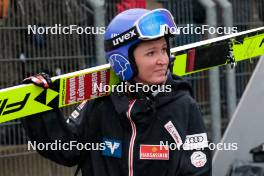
(152, 61)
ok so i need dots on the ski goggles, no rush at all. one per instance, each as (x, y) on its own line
(152, 25)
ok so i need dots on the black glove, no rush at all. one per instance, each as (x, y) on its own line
(41, 80)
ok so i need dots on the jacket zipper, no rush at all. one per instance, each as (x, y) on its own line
(132, 139)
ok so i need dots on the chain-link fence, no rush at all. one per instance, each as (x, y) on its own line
(23, 54)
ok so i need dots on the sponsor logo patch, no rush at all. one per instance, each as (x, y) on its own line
(81, 105)
(113, 148)
(75, 114)
(154, 152)
(195, 141)
(198, 159)
(174, 133)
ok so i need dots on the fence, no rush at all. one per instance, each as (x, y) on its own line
(23, 54)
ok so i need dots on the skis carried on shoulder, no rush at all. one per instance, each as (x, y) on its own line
(28, 99)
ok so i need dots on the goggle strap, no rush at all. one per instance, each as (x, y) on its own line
(121, 39)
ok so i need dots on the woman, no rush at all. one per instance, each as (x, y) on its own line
(138, 130)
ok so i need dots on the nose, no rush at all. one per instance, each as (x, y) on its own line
(163, 59)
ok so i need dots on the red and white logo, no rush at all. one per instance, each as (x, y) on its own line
(82, 105)
(174, 133)
(154, 152)
(198, 159)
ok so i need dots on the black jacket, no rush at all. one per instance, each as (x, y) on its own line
(129, 133)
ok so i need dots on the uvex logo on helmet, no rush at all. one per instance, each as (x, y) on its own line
(125, 37)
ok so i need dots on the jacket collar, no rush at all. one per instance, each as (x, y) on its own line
(178, 85)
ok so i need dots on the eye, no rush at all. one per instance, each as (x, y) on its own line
(164, 50)
(151, 53)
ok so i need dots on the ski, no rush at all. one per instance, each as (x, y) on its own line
(65, 90)
(28, 99)
(218, 51)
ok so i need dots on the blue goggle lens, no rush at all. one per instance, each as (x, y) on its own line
(151, 24)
